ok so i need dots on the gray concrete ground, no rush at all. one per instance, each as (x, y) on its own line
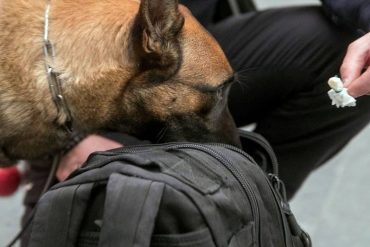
(332, 205)
(10, 214)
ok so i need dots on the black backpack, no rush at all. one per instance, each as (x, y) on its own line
(175, 194)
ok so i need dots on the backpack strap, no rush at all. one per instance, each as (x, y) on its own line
(260, 149)
(59, 215)
(130, 211)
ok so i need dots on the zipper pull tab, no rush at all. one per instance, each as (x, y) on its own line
(296, 230)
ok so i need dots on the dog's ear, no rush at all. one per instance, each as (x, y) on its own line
(159, 23)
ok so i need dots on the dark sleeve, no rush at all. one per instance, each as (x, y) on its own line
(203, 10)
(354, 14)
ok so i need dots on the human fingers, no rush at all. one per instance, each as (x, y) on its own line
(361, 85)
(357, 58)
(78, 155)
(67, 165)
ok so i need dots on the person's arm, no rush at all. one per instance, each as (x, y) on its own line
(355, 70)
(355, 14)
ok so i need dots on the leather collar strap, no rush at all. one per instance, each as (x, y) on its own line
(64, 117)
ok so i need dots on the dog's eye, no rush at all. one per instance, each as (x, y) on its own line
(221, 90)
(229, 81)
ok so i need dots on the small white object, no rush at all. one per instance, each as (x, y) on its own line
(336, 84)
(338, 93)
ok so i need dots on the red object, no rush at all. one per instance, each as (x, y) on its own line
(10, 179)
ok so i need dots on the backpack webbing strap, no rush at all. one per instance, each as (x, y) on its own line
(59, 215)
(130, 210)
(260, 149)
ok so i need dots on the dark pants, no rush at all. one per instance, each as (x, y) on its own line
(283, 58)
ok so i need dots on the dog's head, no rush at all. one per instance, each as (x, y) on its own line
(145, 67)
(180, 90)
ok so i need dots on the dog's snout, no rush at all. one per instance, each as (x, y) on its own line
(191, 128)
(225, 129)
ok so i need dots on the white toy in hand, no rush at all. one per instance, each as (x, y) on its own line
(338, 94)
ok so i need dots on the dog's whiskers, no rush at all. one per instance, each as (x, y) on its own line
(241, 79)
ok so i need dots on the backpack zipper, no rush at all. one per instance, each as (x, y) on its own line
(236, 174)
(278, 200)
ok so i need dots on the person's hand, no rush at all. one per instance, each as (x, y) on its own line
(355, 70)
(78, 155)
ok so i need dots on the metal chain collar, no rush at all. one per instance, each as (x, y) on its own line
(64, 116)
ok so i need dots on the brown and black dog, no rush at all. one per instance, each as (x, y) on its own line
(138, 67)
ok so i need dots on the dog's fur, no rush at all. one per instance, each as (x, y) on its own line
(125, 65)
